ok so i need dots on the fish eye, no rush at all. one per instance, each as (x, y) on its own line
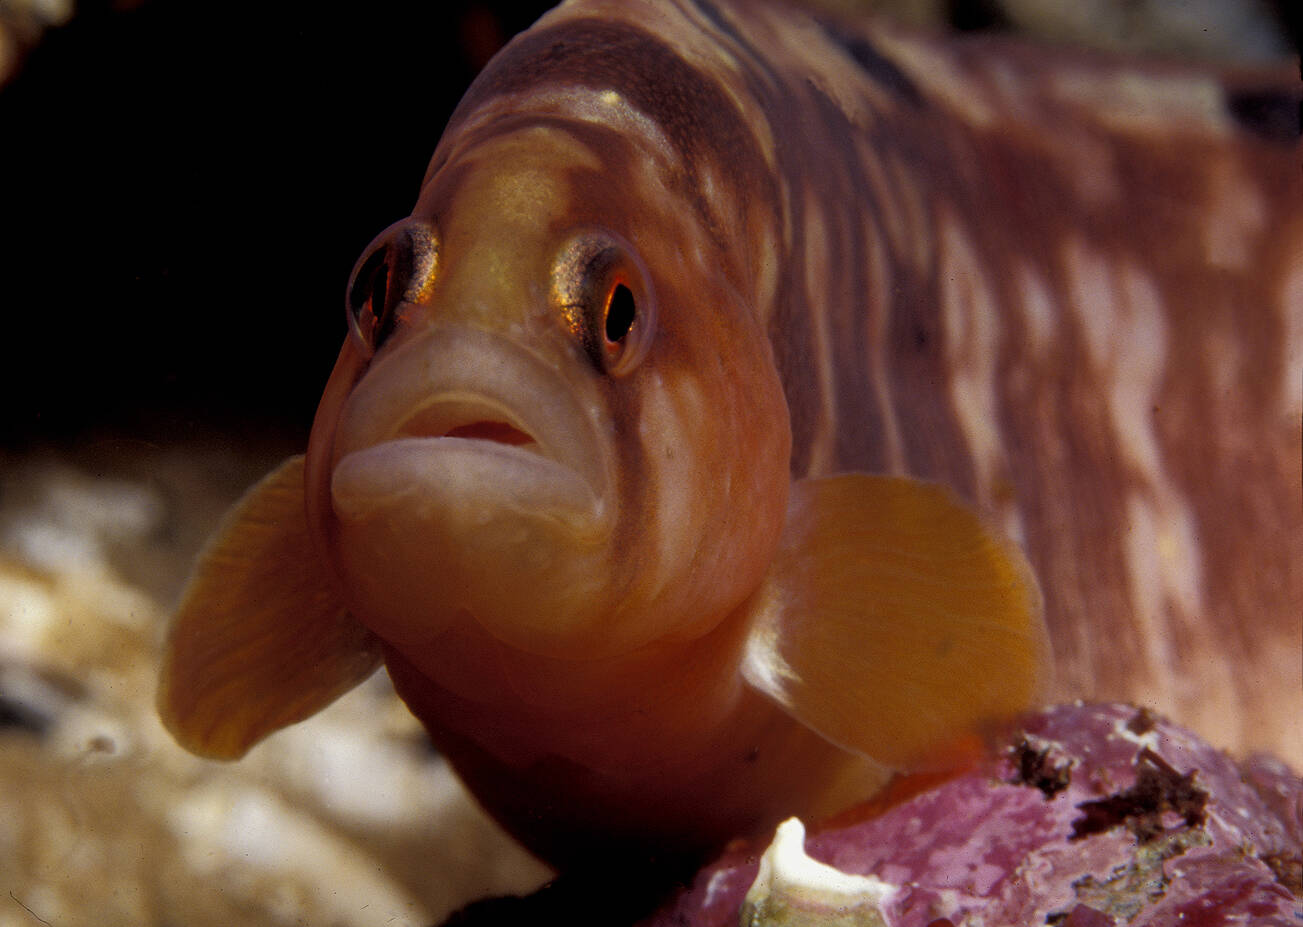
(398, 267)
(370, 314)
(603, 296)
(620, 313)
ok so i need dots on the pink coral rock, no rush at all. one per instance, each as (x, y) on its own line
(1092, 815)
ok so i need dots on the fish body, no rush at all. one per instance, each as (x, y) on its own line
(632, 468)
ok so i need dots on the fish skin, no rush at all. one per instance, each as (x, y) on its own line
(1083, 272)
(957, 260)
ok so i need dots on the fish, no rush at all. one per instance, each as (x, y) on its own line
(757, 403)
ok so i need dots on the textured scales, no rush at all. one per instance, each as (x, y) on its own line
(1067, 285)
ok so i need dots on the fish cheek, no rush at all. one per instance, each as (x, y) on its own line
(711, 461)
(320, 458)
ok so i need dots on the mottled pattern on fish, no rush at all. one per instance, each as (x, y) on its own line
(1069, 286)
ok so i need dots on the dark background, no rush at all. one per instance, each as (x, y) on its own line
(184, 188)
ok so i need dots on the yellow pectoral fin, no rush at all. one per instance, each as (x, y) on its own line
(260, 639)
(893, 622)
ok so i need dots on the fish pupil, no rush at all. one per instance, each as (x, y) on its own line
(620, 313)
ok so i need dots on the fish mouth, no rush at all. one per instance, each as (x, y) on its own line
(467, 426)
(469, 418)
(489, 430)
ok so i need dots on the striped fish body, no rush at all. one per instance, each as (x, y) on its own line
(1069, 286)
(1072, 288)
(590, 474)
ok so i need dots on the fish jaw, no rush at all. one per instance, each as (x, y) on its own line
(471, 478)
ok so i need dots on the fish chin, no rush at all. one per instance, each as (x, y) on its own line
(432, 529)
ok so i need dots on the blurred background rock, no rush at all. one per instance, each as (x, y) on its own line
(183, 191)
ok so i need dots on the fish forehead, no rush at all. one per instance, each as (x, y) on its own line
(519, 179)
(500, 209)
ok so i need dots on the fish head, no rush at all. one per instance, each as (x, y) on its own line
(547, 419)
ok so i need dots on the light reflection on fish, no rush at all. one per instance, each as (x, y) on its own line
(591, 475)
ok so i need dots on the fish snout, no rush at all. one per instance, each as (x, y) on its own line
(471, 477)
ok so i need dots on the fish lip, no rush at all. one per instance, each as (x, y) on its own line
(454, 378)
(447, 414)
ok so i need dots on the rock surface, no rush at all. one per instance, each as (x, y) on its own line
(1091, 815)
